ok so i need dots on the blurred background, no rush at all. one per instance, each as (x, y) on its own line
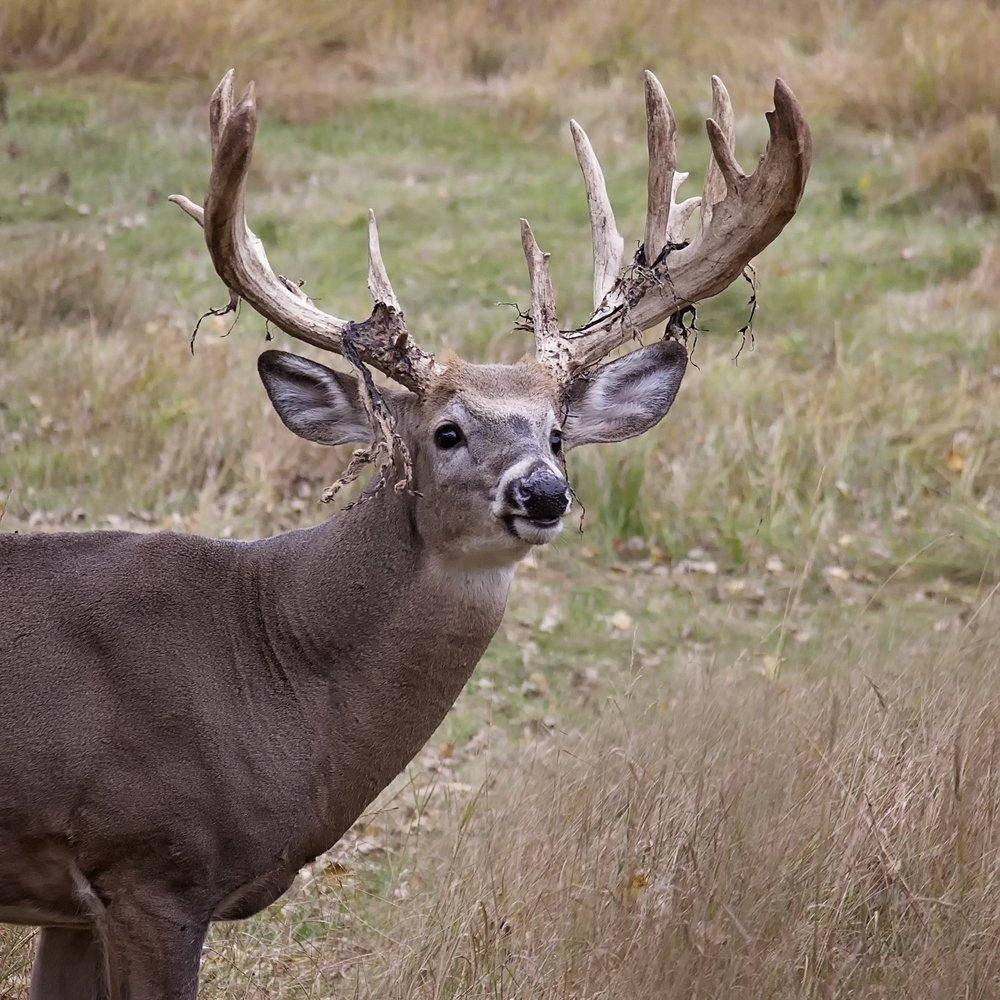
(821, 506)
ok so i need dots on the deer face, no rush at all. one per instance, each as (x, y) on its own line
(488, 453)
(488, 442)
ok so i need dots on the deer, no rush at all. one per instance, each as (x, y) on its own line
(187, 722)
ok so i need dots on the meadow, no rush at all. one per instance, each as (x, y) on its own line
(739, 735)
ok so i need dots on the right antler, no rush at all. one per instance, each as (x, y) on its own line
(381, 341)
(740, 216)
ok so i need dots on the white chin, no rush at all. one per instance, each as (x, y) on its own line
(533, 532)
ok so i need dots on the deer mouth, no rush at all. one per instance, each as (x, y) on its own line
(533, 530)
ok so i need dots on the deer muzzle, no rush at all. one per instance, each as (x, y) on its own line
(534, 501)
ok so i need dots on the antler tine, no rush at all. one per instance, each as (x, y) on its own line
(715, 184)
(550, 348)
(680, 214)
(543, 299)
(609, 247)
(240, 260)
(661, 137)
(189, 207)
(219, 109)
(378, 277)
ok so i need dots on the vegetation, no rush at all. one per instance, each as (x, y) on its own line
(738, 739)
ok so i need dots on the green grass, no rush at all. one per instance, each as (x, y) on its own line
(847, 310)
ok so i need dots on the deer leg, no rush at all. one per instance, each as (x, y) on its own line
(68, 965)
(152, 955)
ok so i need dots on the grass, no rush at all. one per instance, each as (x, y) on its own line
(735, 740)
(838, 415)
(720, 833)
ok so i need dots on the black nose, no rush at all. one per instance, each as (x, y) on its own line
(541, 494)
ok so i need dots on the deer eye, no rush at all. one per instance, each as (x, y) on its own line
(448, 436)
(555, 441)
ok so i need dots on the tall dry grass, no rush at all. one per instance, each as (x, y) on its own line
(718, 832)
(903, 65)
(63, 281)
(132, 430)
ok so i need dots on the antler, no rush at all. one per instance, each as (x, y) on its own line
(381, 341)
(740, 216)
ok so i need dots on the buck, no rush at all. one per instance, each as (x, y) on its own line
(186, 722)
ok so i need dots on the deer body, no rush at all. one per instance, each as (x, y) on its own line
(210, 704)
(185, 722)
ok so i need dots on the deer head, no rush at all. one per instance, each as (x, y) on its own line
(483, 446)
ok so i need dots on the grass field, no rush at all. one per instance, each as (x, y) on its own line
(740, 738)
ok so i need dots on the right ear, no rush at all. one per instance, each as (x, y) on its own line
(314, 401)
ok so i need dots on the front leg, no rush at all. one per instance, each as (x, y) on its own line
(153, 950)
(68, 965)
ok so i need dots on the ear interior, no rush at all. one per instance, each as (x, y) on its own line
(314, 401)
(626, 397)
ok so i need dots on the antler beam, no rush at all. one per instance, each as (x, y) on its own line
(740, 216)
(381, 341)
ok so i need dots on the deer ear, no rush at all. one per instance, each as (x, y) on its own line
(314, 401)
(625, 397)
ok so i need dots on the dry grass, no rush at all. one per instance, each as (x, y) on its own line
(130, 429)
(65, 281)
(962, 163)
(901, 65)
(919, 66)
(831, 831)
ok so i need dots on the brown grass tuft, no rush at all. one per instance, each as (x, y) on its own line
(962, 160)
(916, 66)
(66, 280)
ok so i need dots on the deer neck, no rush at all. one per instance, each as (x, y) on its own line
(378, 635)
(367, 576)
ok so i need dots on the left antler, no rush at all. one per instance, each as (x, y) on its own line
(381, 341)
(740, 216)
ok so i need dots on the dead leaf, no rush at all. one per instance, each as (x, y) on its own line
(336, 872)
(550, 619)
(958, 453)
(535, 686)
(631, 887)
(621, 621)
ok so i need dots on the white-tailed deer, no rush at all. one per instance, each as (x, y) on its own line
(185, 722)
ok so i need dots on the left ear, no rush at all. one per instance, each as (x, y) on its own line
(625, 397)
